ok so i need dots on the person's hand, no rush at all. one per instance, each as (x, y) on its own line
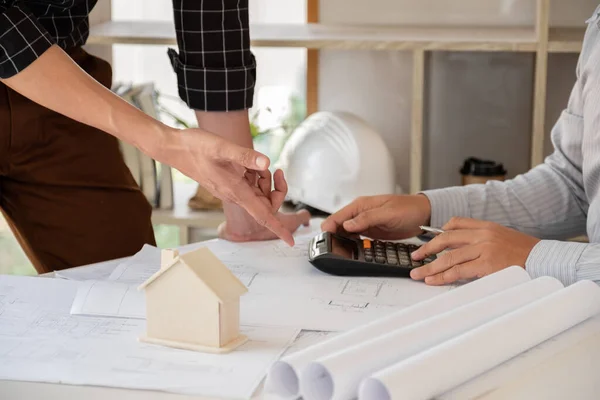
(248, 230)
(477, 248)
(220, 167)
(388, 217)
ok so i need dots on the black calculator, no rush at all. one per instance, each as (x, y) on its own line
(346, 256)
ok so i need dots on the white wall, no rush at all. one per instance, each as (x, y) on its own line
(479, 103)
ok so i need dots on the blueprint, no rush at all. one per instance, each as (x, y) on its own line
(40, 341)
(306, 301)
(279, 279)
(275, 256)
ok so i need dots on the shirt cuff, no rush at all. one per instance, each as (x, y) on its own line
(22, 40)
(215, 89)
(556, 259)
(447, 203)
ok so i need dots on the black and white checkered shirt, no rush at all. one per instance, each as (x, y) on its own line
(215, 68)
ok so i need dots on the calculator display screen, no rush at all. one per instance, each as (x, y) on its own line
(343, 247)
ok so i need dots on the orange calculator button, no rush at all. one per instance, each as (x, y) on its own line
(366, 243)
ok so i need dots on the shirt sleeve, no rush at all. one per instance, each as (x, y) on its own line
(22, 39)
(216, 71)
(569, 262)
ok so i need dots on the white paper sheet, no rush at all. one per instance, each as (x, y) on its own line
(283, 375)
(318, 302)
(100, 272)
(435, 371)
(307, 338)
(520, 366)
(109, 299)
(272, 255)
(337, 376)
(40, 341)
(138, 268)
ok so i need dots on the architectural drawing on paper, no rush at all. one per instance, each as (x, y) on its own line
(359, 287)
(192, 303)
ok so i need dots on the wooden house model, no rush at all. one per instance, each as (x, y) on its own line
(192, 303)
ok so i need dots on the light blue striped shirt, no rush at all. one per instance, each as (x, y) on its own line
(558, 199)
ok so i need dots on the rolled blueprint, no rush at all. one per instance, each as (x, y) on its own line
(435, 371)
(283, 380)
(338, 375)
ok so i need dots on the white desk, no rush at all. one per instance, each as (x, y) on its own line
(572, 374)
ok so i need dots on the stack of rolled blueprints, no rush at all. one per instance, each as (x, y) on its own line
(427, 349)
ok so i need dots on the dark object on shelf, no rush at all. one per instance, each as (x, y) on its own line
(475, 170)
(203, 200)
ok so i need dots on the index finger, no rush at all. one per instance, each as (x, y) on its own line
(263, 214)
(334, 222)
(443, 241)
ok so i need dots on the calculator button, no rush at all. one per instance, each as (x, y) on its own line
(368, 258)
(367, 244)
(401, 247)
(402, 253)
(415, 263)
(380, 260)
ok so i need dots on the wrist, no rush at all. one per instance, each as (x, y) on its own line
(425, 207)
(156, 140)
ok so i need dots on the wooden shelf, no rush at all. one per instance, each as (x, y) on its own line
(565, 40)
(181, 215)
(539, 40)
(188, 221)
(133, 32)
(318, 36)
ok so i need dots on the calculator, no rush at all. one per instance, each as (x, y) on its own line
(352, 256)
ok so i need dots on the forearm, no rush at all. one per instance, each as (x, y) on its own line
(56, 82)
(539, 203)
(233, 125)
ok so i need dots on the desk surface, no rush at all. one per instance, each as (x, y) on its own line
(571, 374)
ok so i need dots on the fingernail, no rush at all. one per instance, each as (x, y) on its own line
(414, 274)
(351, 222)
(414, 254)
(262, 162)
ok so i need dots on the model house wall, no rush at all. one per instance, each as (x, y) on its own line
(180, 306)
(229, 322)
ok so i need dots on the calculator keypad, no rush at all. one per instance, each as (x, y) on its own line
(393, 254)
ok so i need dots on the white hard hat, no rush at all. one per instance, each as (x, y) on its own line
(334, 157)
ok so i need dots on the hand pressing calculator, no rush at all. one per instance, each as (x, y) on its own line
(340, 255)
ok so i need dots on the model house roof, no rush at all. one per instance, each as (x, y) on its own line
(210, 270)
